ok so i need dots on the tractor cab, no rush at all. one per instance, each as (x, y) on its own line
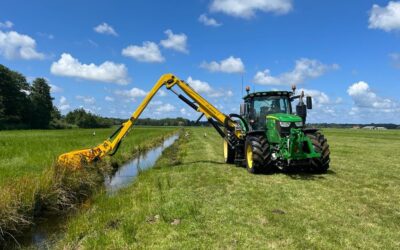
(258, 106)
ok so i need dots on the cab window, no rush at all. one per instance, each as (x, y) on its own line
(262, 106)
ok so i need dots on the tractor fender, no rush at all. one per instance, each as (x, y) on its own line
(246, 126)
(255, 132)
(309, 130)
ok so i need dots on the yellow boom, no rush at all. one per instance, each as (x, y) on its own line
(77, 159)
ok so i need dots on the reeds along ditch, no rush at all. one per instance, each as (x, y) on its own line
(56, 191)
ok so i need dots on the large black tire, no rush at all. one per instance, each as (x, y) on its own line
(229, 153)
(320, 165)
(257, 154)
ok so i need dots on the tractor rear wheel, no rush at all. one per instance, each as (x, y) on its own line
(257, 154)
(320, 165)
(229, 153)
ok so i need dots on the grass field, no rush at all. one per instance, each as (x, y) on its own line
(29, 152)
(27, 159)
(192, 200)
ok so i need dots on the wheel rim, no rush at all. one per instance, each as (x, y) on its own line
(249, 156)
(225, 150)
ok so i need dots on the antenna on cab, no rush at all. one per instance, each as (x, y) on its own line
(294, 88)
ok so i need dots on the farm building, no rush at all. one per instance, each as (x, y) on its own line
(368, 127)
(374, 128)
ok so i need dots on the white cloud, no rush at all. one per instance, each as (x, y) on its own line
(339, 100)
(183, 111)
(165, 108)
(385, 18)
(93, 43)
(220, 93)
(26, 92)
(109, 99)
(208, 21)
(176, 42)
(364, 97)
(18, 46)
(55, 89)
(48, 36)
(205, 88)
(246, 9)
(319, 98)
(354, 111)
(219, 106)
(6, 25)
(86, 99)
(324, 108)
(199, 86)
(132, 94)
(304, 69)
(105, 72)
(395, 57)
(63, 105)
(228, 65)
(155, 103)
(105, 28)
(91, 109)
(162, 93)
(149, 52)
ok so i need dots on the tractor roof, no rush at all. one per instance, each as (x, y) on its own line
(268, 93)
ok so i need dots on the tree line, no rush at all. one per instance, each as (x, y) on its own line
(30, 106)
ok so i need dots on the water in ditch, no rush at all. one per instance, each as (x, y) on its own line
(40, 235)
(129, 171)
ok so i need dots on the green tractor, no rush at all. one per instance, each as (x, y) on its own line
(275, 138)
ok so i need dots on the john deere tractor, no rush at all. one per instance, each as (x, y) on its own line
(275, 138)
(266, 135)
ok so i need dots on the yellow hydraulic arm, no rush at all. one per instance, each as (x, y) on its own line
(76, 159)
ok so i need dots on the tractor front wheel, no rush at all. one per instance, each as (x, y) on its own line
(257, 154)
(320, 165)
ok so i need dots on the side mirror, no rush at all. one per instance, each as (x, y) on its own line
(309, 102)
(242, 109)
(301, 110)
(250, 113)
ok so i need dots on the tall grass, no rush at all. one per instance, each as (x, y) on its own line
(31, 182)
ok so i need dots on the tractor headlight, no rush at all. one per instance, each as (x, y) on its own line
(284, 124)
(299, 124)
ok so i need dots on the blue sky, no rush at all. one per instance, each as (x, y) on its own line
(105, 55)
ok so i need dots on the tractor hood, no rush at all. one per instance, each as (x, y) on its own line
(282, 117)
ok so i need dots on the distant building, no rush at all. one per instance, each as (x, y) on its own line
(369, 127)
(381, 128)
(356, 127)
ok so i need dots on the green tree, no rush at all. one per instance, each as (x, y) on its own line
(42, 103)
(55, 114)
(15, 103)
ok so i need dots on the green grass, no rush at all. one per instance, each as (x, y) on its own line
(29, 180)
(29, 152)
(355, 205)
